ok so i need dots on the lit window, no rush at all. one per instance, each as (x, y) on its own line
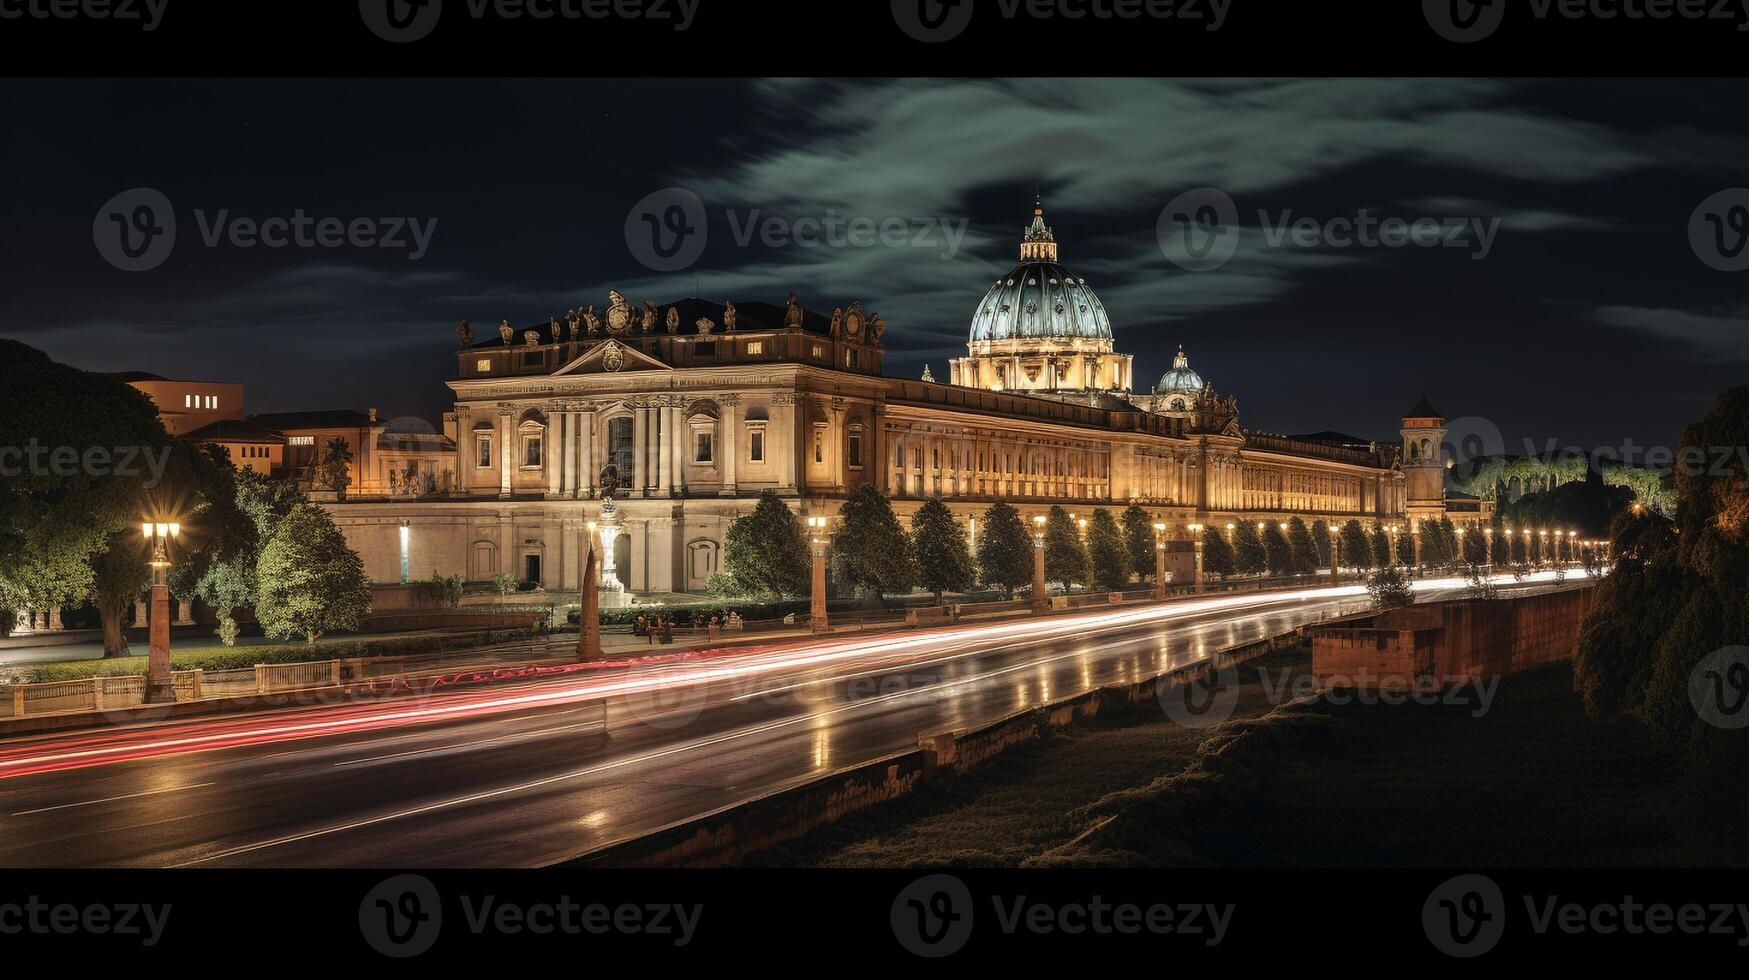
(756, 446)
(854, 452)
(819, 444)
(817, 351)
(484, 444)
(531, 451)
(187, 401)
(850, 358)
(755, 347)
(301, 441)
(483, 365)
(701, 447)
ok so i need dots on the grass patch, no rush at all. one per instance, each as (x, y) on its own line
(237, 658)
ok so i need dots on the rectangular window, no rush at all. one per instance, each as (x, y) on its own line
(531, 452)
(817, 351)
(756, 445)
(706, 348)
(483, 365)
(850, 358)
(533, 359)
(187, 401)
(301, 441)
(854, 453)
(755, 347)
(701, 447)
(820, 444)
(483, 443)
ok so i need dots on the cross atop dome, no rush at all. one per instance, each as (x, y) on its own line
(1039, 243)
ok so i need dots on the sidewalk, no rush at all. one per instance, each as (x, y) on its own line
(17, 650)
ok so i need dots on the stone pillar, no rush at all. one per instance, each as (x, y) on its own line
(55, 619)
(836, 438)
(640, 460)
(139, 612)
(817, 620)
(505, 451)
(160, 686)
(1199, 584)
(185, 612)
(665, 439)
(586, 468)
(730, 451)
(552, 452)
(1159, 563)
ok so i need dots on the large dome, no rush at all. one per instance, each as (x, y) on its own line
(1040, 299)
(1181, 379)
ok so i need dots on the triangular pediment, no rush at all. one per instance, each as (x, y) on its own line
(612, 357)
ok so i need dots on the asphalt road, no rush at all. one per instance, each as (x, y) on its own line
(548, 768)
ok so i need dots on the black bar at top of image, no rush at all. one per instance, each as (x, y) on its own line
(871, 37)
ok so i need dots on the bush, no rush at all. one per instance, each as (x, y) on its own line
(699, 614)
(441, 591)
(504, 583)
(1389, 587)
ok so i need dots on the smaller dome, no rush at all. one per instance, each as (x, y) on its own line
(1181, 378)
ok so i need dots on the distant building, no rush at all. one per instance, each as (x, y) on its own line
(184, 406)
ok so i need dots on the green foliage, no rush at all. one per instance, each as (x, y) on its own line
(1355, 547)
(1303, 553)
(1380, 544)
(226, 587)
(764, 552)
(441, 591)
(504, 583)
(1138, 540)
(1320, 533)
(871, 554)
(333, 468)
(1277, 553)
(1004, 550)
(227, 631)
(1107, 558)
(1065, 552)
(310, 582)
(1389, 587)
(944, 560)
(1587, 507)
(1434, 553)
(1249, 556)
(1217, 554)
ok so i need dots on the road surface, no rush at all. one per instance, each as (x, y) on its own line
(521, 774)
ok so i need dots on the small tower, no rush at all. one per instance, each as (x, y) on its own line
(1424, 462)
(1039, 244)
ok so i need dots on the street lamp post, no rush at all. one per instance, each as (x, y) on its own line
(1040, 598)
(1572, 542)
(1463, 556)
(160, 685)
(1159, 561)
(1542, 547)
(589, 602)
(1196, 537)
(817, 542)
(1391, 559)
(1488, 547)
(1527, 540)
(1335, 546)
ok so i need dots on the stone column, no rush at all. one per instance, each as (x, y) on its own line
(160, 686)
(836, 437)
(139, 612)
(640, 462)
(665, 439)
(55, 619)
(1041, 597)
(586, 454)
(729, 453)
(552, 451)
(505, 451)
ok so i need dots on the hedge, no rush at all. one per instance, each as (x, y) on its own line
(240, 658)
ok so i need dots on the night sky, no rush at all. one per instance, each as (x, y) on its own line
(1592, 319)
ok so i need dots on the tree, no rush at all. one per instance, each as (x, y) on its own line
(871, 553)
(1138, 540)
(1321, 540)
(335, 468)
(75, 493)
(1380, 545)
(1278, 554)
(1499, 549)
(1355, 546)
(1065, 553)
(310, 581)
(226, 587)
(1217, 555)
(1389, 587)
(1004, 550)
(1248, 554)
(1405, 549)
(1301, 546)
(764, 552)
(1107, 558)
(1433, 551)
(944, 562)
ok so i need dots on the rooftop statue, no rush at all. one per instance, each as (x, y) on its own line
(573, 323)
(877, 327)
(729, 317)
(592, 320)
(619, 313)
(531, 338)
(705, 325)
(505, 333)
(466, 334)
(792, 317)
(837, 322)
(554, 331)
(673, 321)
(648, 324)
